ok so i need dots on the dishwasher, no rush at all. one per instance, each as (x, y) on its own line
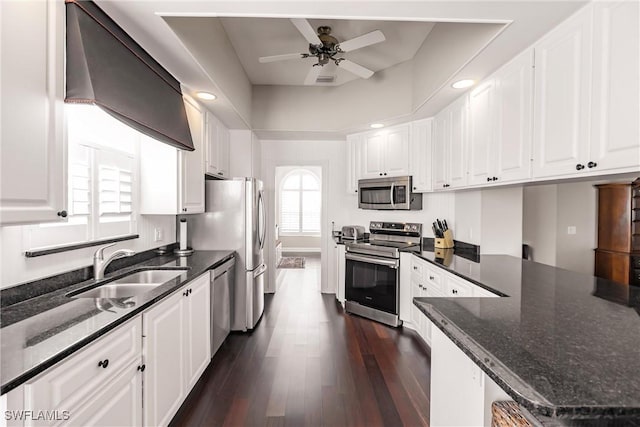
(222, 281)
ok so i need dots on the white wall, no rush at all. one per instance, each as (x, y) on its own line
(16, 268)
(501, 221)
(539, 223)
(468, 215)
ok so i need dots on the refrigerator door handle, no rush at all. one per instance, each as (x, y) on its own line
(260, 271)
(263, 232)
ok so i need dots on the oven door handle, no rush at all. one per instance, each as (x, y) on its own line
(393, 263)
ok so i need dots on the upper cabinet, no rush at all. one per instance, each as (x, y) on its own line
(32, 154)
(354, 161)
(172, 180)
(450, 146)
(386, 152)
(615, 113)
(420, 152)
(587, 114)
(500, 124)
(216, 147)
(562, 86)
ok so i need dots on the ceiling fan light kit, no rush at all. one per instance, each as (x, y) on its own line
(326, 48)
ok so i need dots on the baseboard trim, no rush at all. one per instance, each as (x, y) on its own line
(301, 250)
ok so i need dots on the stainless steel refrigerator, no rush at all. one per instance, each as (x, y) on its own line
(235, 219)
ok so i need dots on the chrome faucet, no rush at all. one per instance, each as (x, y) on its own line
(100, 264)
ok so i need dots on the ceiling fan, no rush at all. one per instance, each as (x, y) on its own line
(326, 48)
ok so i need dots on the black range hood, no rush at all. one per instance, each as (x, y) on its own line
(106, 67)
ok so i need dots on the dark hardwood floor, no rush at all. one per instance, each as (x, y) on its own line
(309, 363)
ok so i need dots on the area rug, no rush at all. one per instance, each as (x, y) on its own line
(291, 262)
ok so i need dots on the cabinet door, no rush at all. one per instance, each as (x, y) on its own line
(416, 314)
(33, 151)
(223, 151)
(164, 357)
(514, 99)
(198, 329)
(191, 168)
(396, 151)
(354, 157)
(615, 120)
(482, 124)
(118, 403)
(458, 143)
(561, 110)
(211, 144)
(373, 156)
(420, 157)
(441, 140)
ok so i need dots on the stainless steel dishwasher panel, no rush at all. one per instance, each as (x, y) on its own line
(222, 280)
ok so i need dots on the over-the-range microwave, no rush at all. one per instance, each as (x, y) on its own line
(392, 193)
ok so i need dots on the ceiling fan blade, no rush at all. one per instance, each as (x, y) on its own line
(365, 40)
(312, 76)
(306, 30)
(356, 69)
(286, 56)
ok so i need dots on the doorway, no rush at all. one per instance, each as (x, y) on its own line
(298, 224)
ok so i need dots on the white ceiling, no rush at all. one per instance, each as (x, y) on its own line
(255, 37)
(145, 21)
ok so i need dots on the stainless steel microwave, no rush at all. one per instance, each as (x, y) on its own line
(388, 194)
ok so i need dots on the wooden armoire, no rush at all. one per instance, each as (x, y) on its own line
(618, 252)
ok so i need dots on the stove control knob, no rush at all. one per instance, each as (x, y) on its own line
(414, 227)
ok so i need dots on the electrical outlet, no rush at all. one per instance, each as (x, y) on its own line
(158, 235)
(571, 229)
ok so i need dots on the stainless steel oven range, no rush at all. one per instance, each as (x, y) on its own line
(372, 280)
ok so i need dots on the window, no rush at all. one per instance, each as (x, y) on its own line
(300, 203)
(102, 181)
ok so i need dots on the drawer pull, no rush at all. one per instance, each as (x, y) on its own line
(454, 291)
(431, 278)
(141, 368)
(103, 363)
(415, 268)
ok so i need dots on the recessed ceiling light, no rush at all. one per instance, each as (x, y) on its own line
(206, 96)
(376, 125)
(463, 84)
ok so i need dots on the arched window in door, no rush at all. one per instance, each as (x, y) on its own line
(300, 203)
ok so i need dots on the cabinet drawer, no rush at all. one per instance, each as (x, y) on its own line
(433, 280)
(457, 288)
(77, 378)
(417, 267)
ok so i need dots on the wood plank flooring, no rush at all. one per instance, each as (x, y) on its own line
(308, 363)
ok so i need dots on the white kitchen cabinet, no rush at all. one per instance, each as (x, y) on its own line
(450, 146)
(563, 66)
(405, 291)
(457, 287)
(354, 161)
(244, 154)
(514, 103)
(386, 152)
(176, 349)
(615, 114)
(172, 180)
(482, 133)
(420, 155)
(217, 140)
(100, 385)
(457, 382)
(33, 182)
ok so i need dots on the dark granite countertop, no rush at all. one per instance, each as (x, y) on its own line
(41, 331)
(561, 344)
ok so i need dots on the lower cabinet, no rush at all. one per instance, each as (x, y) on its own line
(164, 350)
(99, 386)
(176, 349)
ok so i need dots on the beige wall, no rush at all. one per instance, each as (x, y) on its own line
(539, 223)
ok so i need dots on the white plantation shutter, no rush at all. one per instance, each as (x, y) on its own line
(300, 204)
(115, 193)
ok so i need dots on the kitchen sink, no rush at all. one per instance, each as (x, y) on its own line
(133, 284)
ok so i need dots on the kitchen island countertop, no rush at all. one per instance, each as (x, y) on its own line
(562, 344)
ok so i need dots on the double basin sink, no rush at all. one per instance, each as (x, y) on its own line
(135, 283)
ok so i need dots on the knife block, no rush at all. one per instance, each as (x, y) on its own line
(445, 242)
